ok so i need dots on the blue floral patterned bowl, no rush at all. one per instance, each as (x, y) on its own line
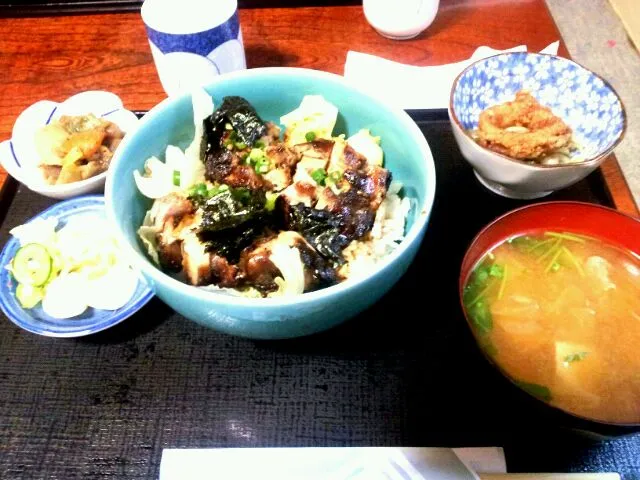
(92, 320)
(586, 102)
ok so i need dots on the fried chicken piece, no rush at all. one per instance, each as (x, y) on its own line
(522, 129)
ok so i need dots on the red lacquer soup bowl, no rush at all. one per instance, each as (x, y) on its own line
(608, 225)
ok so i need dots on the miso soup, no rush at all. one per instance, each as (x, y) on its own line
(559, 313)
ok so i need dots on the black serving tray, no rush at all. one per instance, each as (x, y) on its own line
(406, 372)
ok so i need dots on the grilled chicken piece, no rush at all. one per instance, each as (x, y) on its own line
(246, 177)
(171, 215)
(258, 268)
(222, 273)
(170, 254)
(261, 272)
(319, 149)
(172, 206)
(327, 199)
(283, 161)
(302, 191)
(203, 268)
(272, 135)
(227, 167)
(372, 182)
(196, 262)
(314, 155)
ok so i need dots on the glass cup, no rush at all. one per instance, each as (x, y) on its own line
(193, 41)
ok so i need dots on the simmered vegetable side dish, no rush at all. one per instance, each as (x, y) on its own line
(559, 313)
(244, 210)
(75, 148)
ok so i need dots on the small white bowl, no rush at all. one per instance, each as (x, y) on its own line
(19, 156)
(401, 19)
(587, 103)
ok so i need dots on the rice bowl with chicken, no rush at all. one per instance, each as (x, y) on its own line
(247, 209)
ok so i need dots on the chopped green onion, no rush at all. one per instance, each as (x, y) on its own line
(213, 191)
(259, 144)
(262, 165)
(216, 190)
(335, 176)
(200, 189)
(255, 155)
(270, 204)
(555, 267)
(319, 175)
(176, 178)
(240, 145)
(310, 136)
(230, 140)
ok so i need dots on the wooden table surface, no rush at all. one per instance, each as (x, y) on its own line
(55, 57)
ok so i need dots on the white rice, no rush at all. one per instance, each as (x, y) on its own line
(385, 236)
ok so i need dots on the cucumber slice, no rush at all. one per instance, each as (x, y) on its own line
(32, 265)
(29, 296)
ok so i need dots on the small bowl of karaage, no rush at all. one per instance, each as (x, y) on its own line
(530, 123)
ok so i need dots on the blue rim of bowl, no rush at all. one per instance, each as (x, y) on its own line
(595, 160)
(16, 314)
(423, 211)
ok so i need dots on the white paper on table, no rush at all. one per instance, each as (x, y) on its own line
(410, 86)
(366, 463)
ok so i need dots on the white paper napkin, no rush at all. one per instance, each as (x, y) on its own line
(409, 86)
(368, 463)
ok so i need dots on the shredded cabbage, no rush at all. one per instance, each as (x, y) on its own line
(368, 146)
(287, 260)
(148, 235)
(315, 115)
(42, 231)
(159, 178)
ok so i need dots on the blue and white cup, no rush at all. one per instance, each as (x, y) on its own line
(193, 41)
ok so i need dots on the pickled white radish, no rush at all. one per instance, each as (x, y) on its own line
(65, 296)
(112, 290)
(87, 267)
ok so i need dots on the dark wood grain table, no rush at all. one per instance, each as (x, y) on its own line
(55, 57)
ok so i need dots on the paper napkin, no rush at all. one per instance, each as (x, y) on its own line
(410, 86)
(368, 463)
